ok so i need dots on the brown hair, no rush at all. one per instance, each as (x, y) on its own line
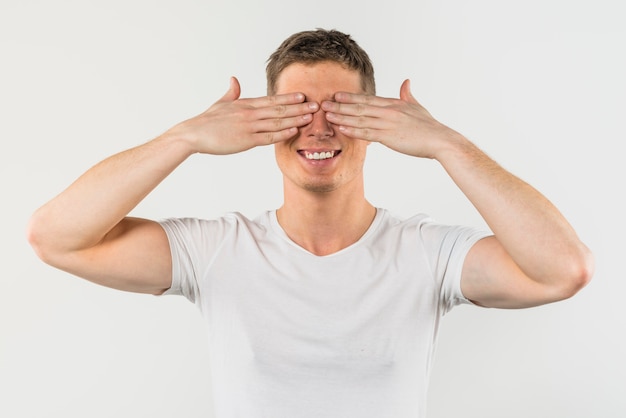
(310, 47)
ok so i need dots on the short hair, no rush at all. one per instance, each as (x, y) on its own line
(311, 47)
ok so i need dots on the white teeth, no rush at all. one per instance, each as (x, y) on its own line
(319, 155)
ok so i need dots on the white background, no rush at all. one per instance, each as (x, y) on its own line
(538, 84)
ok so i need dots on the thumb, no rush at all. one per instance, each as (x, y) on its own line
(405, 92)
(234, 90)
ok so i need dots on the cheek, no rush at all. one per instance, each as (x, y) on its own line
(282, 152)
(360, 148)
(356, 157)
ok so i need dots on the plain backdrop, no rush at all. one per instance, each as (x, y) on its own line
(539, 85)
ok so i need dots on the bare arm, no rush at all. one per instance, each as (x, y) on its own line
(85, 229)
(534, 257)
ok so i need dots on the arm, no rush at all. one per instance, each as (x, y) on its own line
(534, 256)
(85, 229)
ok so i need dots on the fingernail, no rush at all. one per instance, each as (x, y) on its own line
(313, 105)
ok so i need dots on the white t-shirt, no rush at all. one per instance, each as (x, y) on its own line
(296, 335)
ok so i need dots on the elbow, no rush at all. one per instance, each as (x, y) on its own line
(37, 238)
(580, 272)
(585, 268)
(33, 236)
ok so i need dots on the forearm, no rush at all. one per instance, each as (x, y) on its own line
(528, 226)
(535, 257)
(88, 209)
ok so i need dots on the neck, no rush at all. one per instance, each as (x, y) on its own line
(324, 223)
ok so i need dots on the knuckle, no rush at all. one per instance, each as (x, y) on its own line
(269, 138)
(278, 124)
(280, 109)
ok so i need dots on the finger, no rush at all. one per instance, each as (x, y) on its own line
(234, 90)
(366, 134)
(405, 92)
(286, 110)
(280, 99)
(366, 99)
(351, 109)
(267, 138)
(357, 121)
(407, 96)
(359, 105)
(280, 124)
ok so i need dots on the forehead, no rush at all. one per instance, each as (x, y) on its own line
(318, 81)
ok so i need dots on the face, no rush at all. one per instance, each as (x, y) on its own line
(320, 159)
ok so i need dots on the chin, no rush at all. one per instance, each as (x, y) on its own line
(320, 187)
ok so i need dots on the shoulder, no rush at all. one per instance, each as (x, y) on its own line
(421, 224)
(423, 230)
(201, 229)
(228, 220)
(387, 219)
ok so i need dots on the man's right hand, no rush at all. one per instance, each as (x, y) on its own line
(233, 125)
(85, 229)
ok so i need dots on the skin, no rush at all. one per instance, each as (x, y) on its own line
(325, 209)
(85, 230)
(533, 258)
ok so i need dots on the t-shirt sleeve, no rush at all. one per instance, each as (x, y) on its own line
(447, 246)
(193, 244)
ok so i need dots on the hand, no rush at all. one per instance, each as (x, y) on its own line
(401, 124)
(233, 125)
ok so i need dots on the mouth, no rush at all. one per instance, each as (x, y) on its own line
(319, 155)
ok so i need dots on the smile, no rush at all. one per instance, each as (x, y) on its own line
(319, 155)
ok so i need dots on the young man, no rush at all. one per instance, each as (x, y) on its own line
(327, 306)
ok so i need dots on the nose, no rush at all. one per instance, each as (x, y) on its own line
(319, 126)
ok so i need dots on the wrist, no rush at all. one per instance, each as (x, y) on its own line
(451, 146)
(178, 143)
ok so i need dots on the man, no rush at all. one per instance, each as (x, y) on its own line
(327, 306)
